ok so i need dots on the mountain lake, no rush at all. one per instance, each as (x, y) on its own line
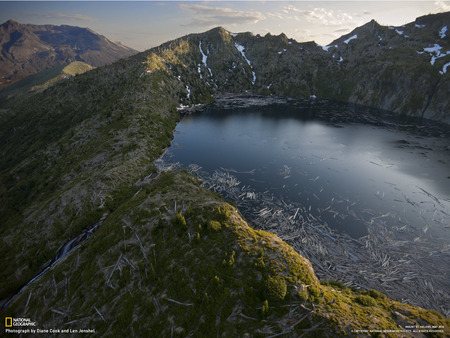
(364, 194)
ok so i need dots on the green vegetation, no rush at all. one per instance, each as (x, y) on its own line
(275, 288)
(43, 80)
(147, 258)
(72, 152)
(365, 300)
(169, 251)
(214, 225)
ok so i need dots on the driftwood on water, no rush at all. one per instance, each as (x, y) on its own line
(410, 269)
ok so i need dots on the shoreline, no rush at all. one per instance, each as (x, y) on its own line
(375, 261)
(407, 268)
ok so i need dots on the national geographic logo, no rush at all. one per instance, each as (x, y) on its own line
(18, 322)
(8, 321)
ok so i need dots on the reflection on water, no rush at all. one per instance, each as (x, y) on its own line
(366, 199)
(354, 170)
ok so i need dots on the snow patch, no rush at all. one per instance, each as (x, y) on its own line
(435, 49)
(379, 37)
(443, 31)
(419, 26)
(182, 107)
(204, 57)
(390, 27)
(313, 97)
(435, 53)
(351, 38)
(270, 85)
(233, 34)
(444, 69)
(290, 42)
(399, 32)
(341, 59)
(325, 48)
(241, 49)
(188, 92)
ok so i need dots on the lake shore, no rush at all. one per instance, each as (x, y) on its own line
(408, 263)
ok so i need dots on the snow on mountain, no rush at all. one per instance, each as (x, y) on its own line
(443, 31)
(351, 38)
(204, 57)
(241, 49)
(444, 68)
(435, 53)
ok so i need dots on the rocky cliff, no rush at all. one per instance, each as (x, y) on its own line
(401, 69)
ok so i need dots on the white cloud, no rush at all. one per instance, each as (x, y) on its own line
(206, 16)
(303, 35)
(442, 6)
(319, 15)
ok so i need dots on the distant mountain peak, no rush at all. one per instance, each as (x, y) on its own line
(10, 22)
(28, 49)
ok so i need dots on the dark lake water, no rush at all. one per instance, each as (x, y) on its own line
(315, 154)
(364, 195)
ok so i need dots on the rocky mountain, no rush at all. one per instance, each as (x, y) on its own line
(155, 253)
(29, 49)
(400, 69)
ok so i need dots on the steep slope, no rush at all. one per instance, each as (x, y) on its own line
(29, 49)
(83, 150)
(398, 68)
(175, 259)
(68, 152)
(401, 69)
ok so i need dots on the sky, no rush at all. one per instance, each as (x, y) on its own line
(145, 24)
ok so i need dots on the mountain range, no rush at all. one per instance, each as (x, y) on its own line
(400, 69)
(28, 49)
(165, 256)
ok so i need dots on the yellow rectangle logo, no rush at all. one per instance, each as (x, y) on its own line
(8, 321)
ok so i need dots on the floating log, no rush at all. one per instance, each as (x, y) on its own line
(392, 259)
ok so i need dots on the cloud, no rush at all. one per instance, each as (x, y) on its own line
(342, 30)
(442, 6)
(319, 16)
(303, 35)
(69, 17)
(217, 16)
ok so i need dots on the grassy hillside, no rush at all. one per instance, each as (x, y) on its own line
(67, 153)
(44, 79)
(171, 258)
(175, 259)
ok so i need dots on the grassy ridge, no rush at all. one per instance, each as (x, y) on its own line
(175, 259)
(67, 152)
(169, 251)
